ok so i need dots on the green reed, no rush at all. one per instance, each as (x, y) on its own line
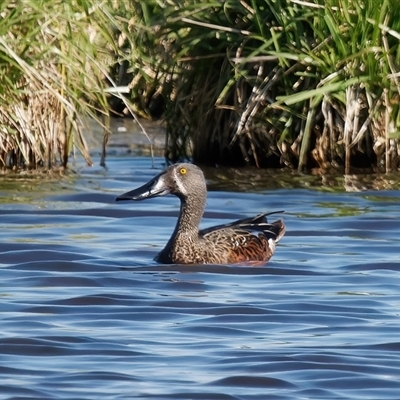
(275, 82)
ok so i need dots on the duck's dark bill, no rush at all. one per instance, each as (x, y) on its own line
(154, 188)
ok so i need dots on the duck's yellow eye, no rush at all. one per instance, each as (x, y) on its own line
(183, 171)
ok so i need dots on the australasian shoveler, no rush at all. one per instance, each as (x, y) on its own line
(246, 240)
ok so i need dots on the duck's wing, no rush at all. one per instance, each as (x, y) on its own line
(245, 240)
(249, 226)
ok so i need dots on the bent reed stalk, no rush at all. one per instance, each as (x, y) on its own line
(306, 84)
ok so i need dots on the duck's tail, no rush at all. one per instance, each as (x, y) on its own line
(272, 230)
(279, 229)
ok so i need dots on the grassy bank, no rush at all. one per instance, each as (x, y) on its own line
(273, 83)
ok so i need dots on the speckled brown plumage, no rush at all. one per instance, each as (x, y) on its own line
(245, 240)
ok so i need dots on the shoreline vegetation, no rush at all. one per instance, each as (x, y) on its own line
(306, 85)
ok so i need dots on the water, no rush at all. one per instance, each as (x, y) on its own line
(86, 314)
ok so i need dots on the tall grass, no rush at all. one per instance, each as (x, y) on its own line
(54, 56)
(308, 84)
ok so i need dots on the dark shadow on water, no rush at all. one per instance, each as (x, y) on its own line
(226, 269)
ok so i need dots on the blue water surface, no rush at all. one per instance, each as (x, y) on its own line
(87, 314)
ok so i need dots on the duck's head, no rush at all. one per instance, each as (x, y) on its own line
(182, 180)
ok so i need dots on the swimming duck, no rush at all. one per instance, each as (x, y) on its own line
(242, 241)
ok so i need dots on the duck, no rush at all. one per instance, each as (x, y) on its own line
(248, 240)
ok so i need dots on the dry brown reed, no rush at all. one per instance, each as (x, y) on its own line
(53, 68)
(34, 130)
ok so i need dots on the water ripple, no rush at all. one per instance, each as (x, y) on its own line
(87, 314)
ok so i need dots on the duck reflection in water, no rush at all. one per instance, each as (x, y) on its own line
(249, 240)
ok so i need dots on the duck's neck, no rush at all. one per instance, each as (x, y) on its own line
(187, 226)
